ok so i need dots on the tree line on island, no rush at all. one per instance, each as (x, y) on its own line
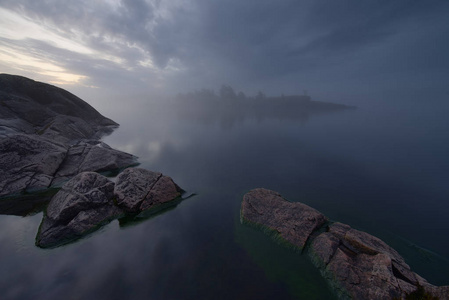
(228, 106)
(226, 92)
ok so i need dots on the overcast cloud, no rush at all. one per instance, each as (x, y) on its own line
(276, 46)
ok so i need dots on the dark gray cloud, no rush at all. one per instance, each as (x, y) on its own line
(252, 43)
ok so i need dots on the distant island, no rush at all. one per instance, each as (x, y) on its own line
(227, 105)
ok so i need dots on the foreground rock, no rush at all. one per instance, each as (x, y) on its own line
(356, 264)
(268, 209)
(90, 200)
(83, 204)
(47, 136)
(29, 163)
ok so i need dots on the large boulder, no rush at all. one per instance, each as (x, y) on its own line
(28, 106)
(82, 205)
(292, 221)
(138, 189)
(356, 264)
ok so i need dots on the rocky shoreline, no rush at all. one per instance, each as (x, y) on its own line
(51, 153)
(356, 264)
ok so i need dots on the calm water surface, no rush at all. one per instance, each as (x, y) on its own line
(383, 169)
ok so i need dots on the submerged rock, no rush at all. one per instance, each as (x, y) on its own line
(356, 264)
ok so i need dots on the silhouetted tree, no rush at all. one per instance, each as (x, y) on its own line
(260, 95)
(241, 96)
(227, 92)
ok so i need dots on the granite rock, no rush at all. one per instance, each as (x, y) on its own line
(83, 204)
(47, 136)
(138, 189)
(356, 264)
(292, 221)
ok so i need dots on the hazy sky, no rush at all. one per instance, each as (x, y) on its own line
(325, 47)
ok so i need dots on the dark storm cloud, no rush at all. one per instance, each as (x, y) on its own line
(252, 42)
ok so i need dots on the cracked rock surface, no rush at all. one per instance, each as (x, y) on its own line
(47, 136)
(83, 204)
(138, 189)
(90, 200)
(356, 264)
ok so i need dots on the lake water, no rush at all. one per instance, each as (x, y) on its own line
(383, 169)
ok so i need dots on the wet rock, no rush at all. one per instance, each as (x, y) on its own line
(356, 264)
(138, 189)
(292, 221)
(82, 205)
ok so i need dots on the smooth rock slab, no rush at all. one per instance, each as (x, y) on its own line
(293, 221)
(82, 205)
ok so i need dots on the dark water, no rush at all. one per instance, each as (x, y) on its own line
(383, 169)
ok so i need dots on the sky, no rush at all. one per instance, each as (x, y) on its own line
(329, 48)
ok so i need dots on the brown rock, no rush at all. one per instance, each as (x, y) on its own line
(356, 264)
(137, 189)
(293, 221)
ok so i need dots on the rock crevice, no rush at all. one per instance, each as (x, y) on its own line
(89, 200)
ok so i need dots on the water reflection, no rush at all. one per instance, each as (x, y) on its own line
(358, 167)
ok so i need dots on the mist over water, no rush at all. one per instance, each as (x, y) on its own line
(380, 168)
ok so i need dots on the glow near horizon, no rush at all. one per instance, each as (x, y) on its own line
(15, 57)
